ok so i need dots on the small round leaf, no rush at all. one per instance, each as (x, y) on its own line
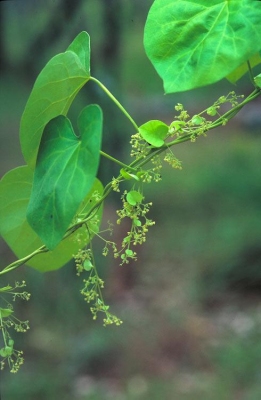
(87, 265)
(134, 197)
(154, 132)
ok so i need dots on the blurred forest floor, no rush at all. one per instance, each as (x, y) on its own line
(191, 304)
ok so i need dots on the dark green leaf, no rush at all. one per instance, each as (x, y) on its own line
(65, 171)
(15, 190)
(154, 132)
(196, 43)
(53, 92)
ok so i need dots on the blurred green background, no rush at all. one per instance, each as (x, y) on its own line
(191, 304)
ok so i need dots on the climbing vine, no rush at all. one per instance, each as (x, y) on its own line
(51, 208)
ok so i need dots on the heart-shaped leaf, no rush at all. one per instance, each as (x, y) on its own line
(81, 47)
(15, 190)
(53, 92)
(154, 132)
(65, 171)
(196, 43)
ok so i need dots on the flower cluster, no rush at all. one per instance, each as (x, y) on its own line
(93, 285)
(115, 184)
(134, 209)
(199, 124)
(22, 295)
(92, 294)
(152, 174)
(109, 319)
(172, 160)
(83, 261)
(140, 147)
(183, 115)
(14, 357)
(8, 321)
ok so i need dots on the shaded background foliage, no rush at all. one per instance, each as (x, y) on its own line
(191, 304)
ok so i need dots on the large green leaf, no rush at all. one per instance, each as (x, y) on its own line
(243, 68)
(53, 92)
(15, 190)
(81, 47)
(65, 170)
(196, 43)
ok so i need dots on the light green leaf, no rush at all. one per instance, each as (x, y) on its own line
(6, 351)
(15, 190)
(53, 92)
(177, 126)
(81, 47)
(243, 68)
(133, 197)
(137, 222)
(5, 312)
(197, 120)
(196, 43)
(5, 288)
(127, 175)
(87, 265)
(212, 111)
(154, 132)
(65, 171)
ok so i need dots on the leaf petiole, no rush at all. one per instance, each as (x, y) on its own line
(115, 160)
(118, 104)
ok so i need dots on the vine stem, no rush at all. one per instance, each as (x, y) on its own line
(21, 261)
(220, 121)
(231, 113)
(3, 331)
(251, 75)
(118, 104)
(137, 163)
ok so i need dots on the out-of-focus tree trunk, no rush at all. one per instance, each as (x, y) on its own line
(52, 32)
(2, 45)
(110, 60)
(112, 31)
